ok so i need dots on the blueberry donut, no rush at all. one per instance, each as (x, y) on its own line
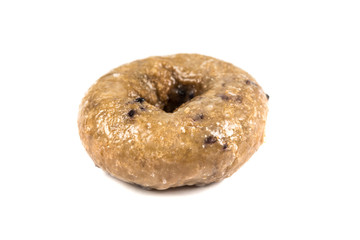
(163, 122)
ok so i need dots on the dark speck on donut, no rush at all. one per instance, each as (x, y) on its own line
(248, 82)
(142, 108)
(267, 96)
(210, 139)
(225, 146)
(224, 97)
(198, 117)
(140, 100)
(131, 113)
(232, 98)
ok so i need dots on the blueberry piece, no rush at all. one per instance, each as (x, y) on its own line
(131, 113)
(198, 117)
(225, 97)
(238, 98)
(140, 100)
(210, 139)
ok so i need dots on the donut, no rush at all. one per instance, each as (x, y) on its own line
(171, 121)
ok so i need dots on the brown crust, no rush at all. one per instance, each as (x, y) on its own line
(170, 121)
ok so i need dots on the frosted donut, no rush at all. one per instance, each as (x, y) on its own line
(162, 122)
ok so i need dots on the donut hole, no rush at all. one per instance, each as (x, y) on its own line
(178, 95)
(171, 86)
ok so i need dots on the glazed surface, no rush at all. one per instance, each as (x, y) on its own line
(170, 121)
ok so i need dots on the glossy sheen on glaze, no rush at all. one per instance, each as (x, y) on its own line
(162, 122)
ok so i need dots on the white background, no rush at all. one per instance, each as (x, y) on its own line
(303, 183)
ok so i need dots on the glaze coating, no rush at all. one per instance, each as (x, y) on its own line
(162, 122)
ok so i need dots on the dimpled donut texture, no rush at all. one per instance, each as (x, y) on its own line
(163, 122)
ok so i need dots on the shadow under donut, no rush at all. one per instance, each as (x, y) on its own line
(183, 190)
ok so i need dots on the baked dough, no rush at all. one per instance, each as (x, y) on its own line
(162, 122)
